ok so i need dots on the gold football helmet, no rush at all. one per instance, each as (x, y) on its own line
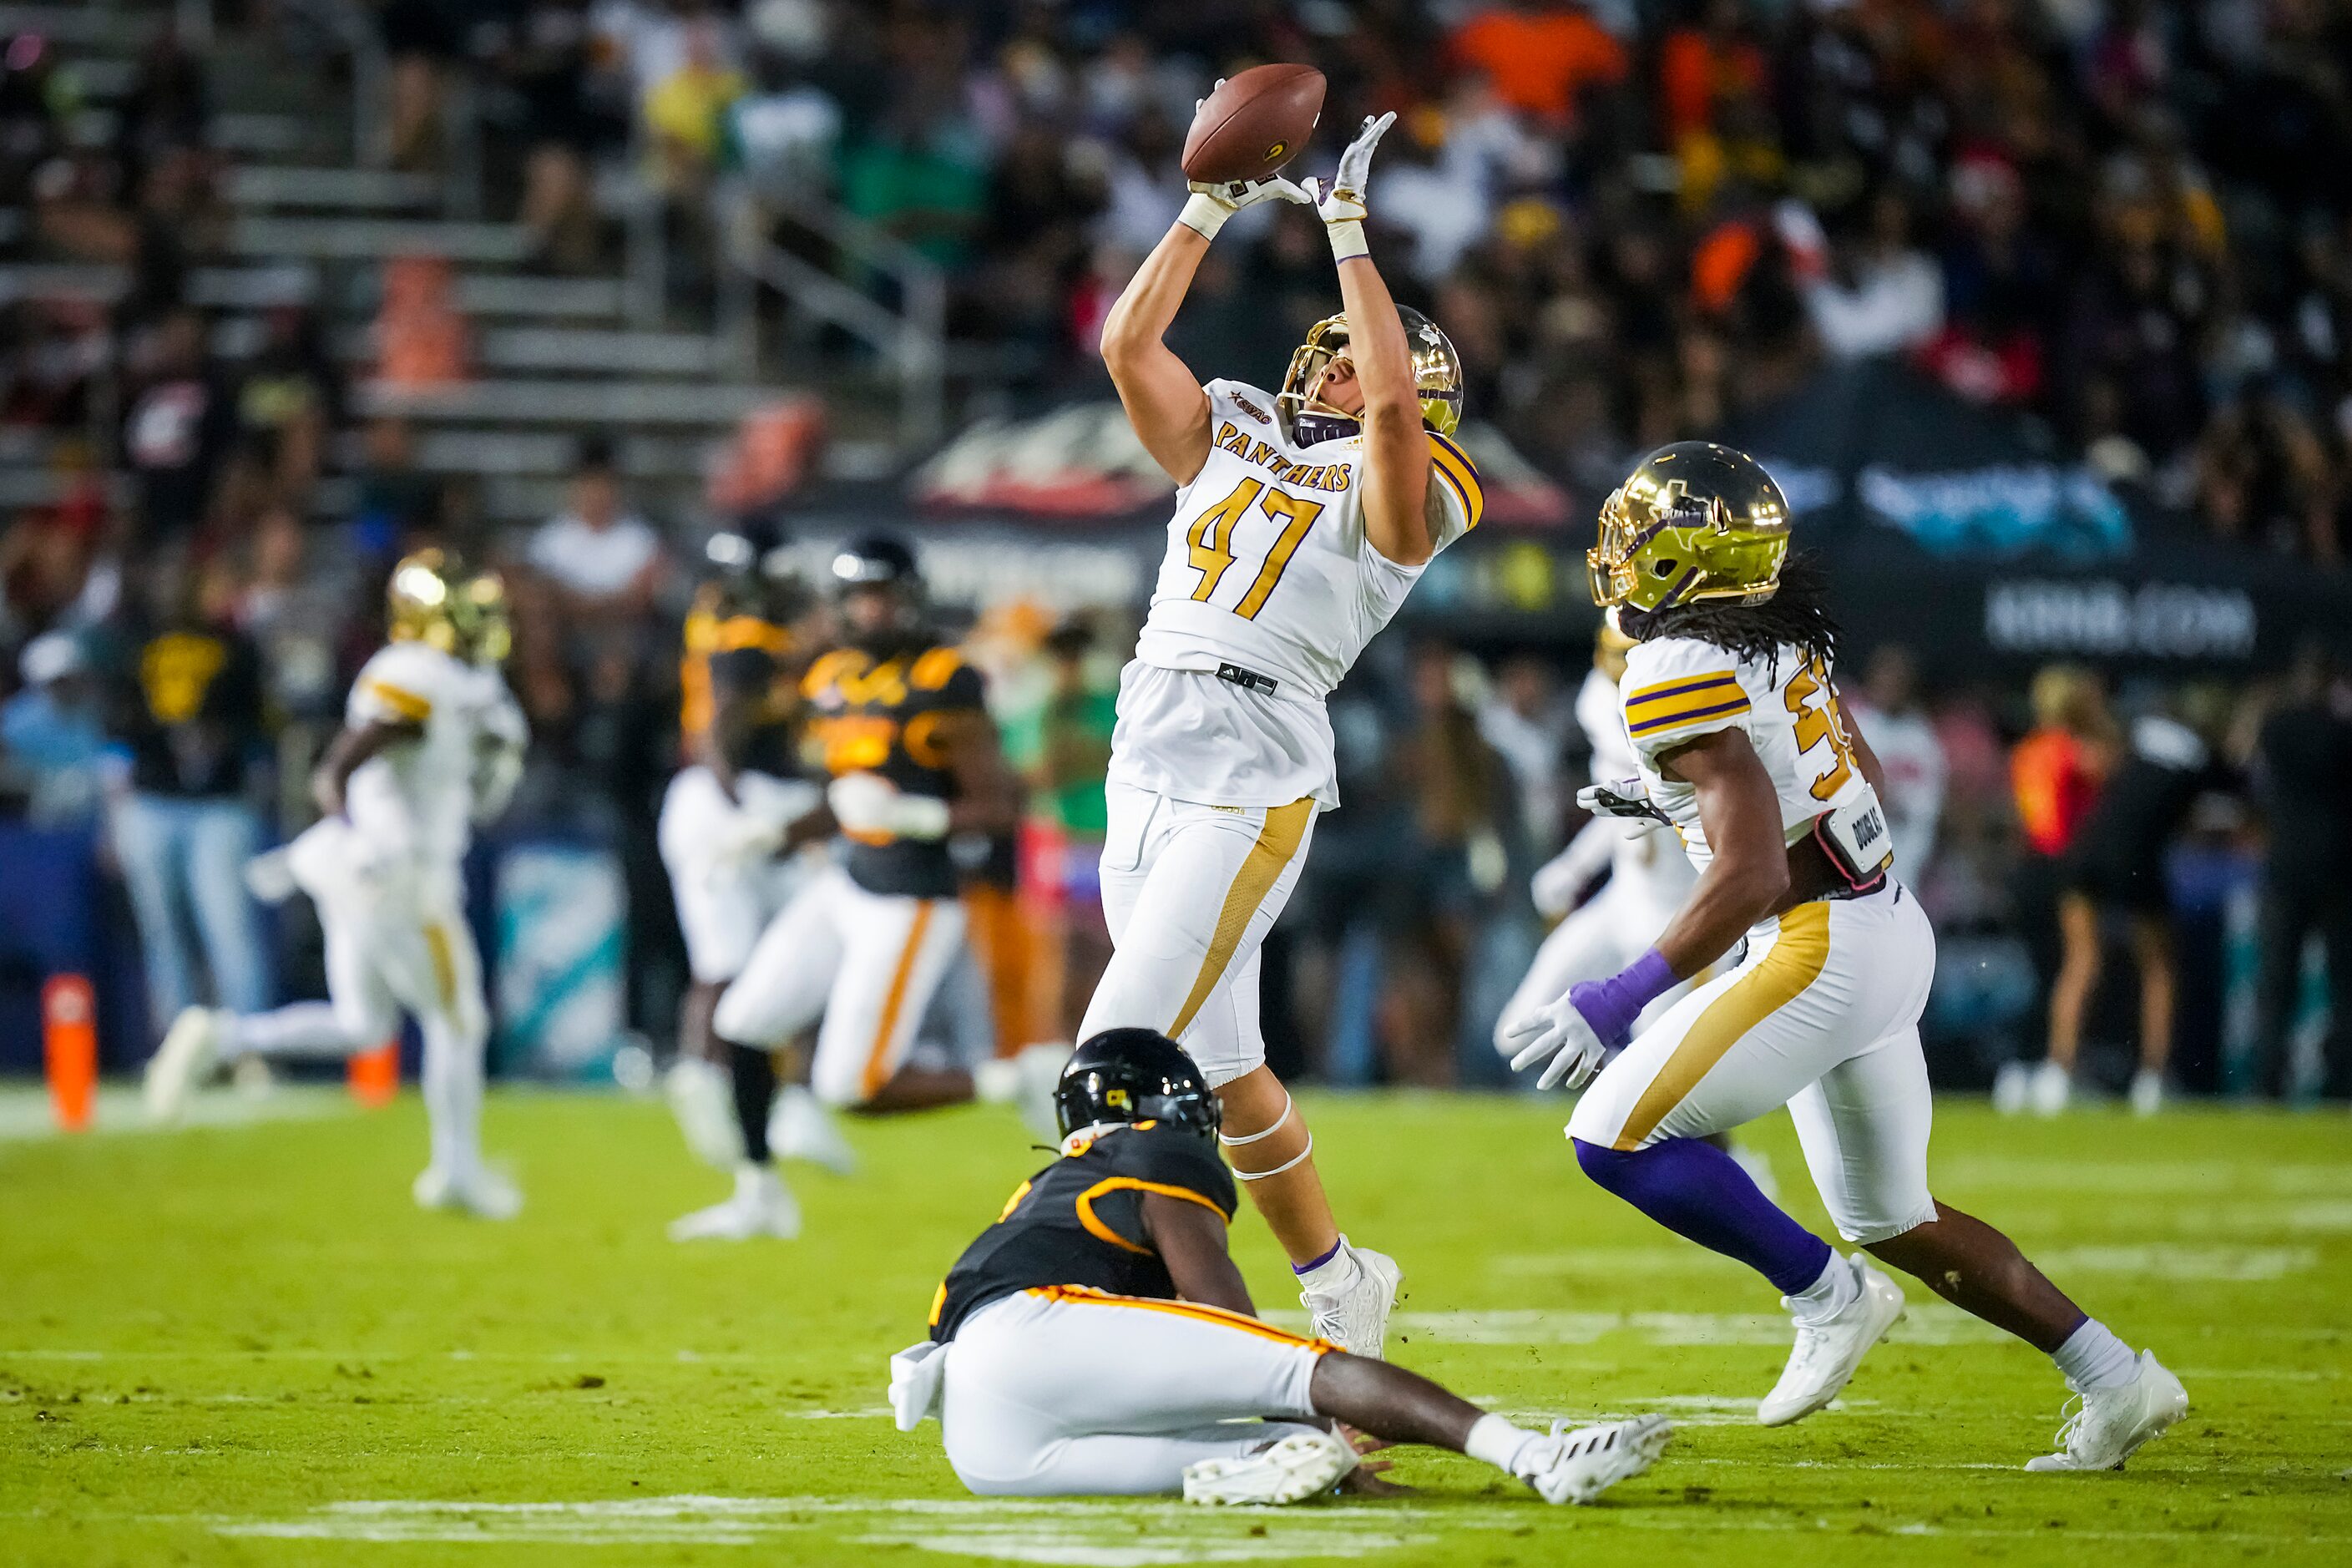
(432, 599)
(1436, 373)
(1694, 521)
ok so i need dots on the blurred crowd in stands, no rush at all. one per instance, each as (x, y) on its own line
(1633, 219)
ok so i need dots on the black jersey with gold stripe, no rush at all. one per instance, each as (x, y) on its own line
(732, 650)
(1079, 1221)
(886, 716)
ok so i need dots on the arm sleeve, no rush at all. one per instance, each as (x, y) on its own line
(1676, 689)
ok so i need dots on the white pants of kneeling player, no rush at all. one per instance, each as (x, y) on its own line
(1189, 892)
(1821, 1016)
(1051, 1395)
(394, 945)
(725, 900)
(867, 963)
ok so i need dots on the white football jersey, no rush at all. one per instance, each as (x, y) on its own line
(1268, 592)
(1678, 688)
(419, 797)
(1652, 859)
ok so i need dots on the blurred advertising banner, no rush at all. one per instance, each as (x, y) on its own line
(1083, 462)
(561, 959)
(1880, 445)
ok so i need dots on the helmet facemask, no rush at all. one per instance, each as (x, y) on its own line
(1436, 372)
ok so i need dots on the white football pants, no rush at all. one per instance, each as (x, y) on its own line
(1189, 892)
(1065, 1391)
(867, 963)
(1821, 1016)
(724, 898)
(395, 943)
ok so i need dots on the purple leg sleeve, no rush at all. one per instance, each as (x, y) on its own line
(1696, 1190)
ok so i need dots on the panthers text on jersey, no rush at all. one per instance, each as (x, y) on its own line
(886, 718)
(1269, 584)
(418, 799)
(1678, 689)
(732, 648)
(1079, 1221)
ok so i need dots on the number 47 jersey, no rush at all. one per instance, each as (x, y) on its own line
(1269, 581)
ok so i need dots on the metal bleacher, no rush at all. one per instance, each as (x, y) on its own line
(313, 217)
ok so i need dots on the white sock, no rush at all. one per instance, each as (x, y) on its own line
(452, 1099)
(1827, 1296)
(2092, 1357)
(752, 1183)
(995, 1080)
(1334, 1274)
(301, 1029)
(1498, 1442)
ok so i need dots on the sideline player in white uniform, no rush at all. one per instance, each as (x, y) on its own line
(1732, 706)
(1649, 875)
(1302, 521)
(861, 949)
(1097, 1339)
(739, 833)
(432, 743)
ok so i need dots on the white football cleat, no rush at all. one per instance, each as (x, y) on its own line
(1355, 1316)
(1292, 1470)
(190, 1051)
(2013, 1086)
(800, 1128)
(762, 1205)
(1827, 1351)
(481, 1192)
(704, 1103)
(2110, 1424)
(1577, 1467)
(1026, 1081)
(2146, 1092)
(2050, 1089)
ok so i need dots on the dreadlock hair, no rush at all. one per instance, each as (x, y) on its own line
(1798, 614)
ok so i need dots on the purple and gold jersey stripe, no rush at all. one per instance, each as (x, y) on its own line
(1452, 464)
(1686, 700)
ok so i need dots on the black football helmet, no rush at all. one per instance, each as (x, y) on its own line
(880, 591)
(1135, 1075)
(752, 563)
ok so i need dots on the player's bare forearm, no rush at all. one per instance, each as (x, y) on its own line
(1749, 872)
(988, 795)
(1163, 399)
(1191, 1240)
(718, 747)
(344, 754)
(1396, 450)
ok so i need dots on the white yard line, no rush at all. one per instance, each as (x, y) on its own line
(25, 1114)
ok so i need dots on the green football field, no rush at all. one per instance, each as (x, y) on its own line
(240, 1343)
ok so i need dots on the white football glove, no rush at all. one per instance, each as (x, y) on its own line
(745, 837)
(1340, 201)
(1620, 797)
(1559, 1032)
(868, 803)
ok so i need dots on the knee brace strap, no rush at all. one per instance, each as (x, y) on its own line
(1242, 1175)
(1268, 1131)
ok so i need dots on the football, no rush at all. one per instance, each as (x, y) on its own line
(1254, 124)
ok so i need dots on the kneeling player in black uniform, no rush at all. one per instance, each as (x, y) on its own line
(1097, 1339)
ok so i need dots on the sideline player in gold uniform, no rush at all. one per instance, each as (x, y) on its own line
(1302, 522)
(901, 722)
(1731, 704)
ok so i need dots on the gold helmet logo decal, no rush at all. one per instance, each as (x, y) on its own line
(1116, 1098)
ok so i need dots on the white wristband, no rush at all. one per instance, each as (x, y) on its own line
(1346, 239)
(1205, 215)
(921, 816)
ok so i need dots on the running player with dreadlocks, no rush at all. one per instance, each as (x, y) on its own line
(1731, 703)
